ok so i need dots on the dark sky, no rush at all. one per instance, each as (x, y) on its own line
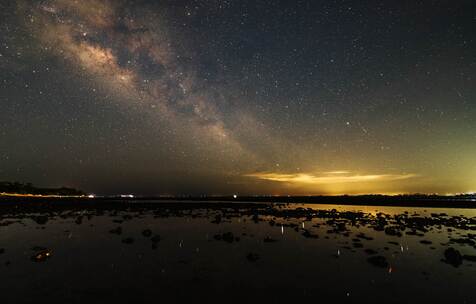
(247, 97)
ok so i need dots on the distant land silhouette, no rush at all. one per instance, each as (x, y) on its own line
(402, 200)
(28, 188)
(28, 192)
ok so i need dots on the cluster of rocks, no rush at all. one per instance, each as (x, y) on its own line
(454, 258)
(337, 223)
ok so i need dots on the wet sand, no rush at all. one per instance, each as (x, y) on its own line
(108, 251)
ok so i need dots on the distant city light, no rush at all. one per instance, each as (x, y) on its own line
(235, 196)
(91, 196)
(127, 196)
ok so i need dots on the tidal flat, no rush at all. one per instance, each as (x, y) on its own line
(132, 252)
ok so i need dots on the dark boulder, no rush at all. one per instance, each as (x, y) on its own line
(41, 219)
(228, 237)
(308, 234)
(394, 231)
(471, 258)
(453, 257)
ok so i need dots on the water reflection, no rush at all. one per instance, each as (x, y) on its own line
(236, 252)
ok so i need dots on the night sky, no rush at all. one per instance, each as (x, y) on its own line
(246, 97)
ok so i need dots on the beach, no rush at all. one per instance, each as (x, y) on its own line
(233, 252)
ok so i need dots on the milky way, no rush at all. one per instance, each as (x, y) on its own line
(252, 97)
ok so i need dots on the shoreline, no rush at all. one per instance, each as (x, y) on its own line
(207, 202)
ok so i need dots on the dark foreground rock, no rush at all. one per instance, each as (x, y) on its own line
(471, 258)
(453, 257)
(308, 234)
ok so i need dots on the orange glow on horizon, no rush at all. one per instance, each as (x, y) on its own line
(326, 179)
(338, 182)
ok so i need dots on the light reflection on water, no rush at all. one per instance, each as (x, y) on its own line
(423, 211)
(232, 256)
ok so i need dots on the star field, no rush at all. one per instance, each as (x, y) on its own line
(249, 97)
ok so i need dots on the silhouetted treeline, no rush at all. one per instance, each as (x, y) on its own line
(28, 188)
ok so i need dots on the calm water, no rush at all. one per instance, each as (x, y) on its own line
(256, 253)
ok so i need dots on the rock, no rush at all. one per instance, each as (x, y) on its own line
(308, 234)
(217, 219)
(42, 256)
(467, 241)
(147, 233)
(228, 237)
(378, 261)
(426, 242)
(394, 231)
(79, 220)
(41, 219)
(155, 239)
(453, 257)
(471, 258)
